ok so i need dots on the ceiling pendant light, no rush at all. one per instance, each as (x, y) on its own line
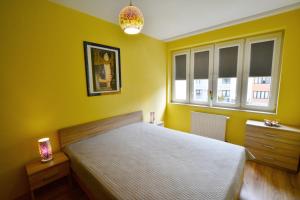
(131, 19)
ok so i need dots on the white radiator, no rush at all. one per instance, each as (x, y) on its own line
(209, 125)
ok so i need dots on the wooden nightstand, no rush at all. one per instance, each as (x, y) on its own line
(158, 123)
(40, 174)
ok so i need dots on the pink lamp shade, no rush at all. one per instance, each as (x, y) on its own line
(45, 149)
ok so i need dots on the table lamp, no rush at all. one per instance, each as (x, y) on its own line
(45, 149)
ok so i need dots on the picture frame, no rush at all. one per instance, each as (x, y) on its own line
(103, 69)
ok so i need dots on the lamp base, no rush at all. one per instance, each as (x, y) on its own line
(46, 160)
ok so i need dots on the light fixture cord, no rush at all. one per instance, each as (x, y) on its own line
(130, 3)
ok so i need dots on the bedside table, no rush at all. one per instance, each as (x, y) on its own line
(40, 174)
(158, 123)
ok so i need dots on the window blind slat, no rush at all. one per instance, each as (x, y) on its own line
(261, 59)
(201, 65)
(180, 63)
(228, 62)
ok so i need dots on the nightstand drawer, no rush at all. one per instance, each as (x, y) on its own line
(273, 159)
(44, 177)
(273, 135)
(274, 147)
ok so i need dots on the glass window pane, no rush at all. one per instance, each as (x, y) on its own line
(180, 89)
(258, 91)
(180, 77)
(201, 68)
(226, 90)
(200, 90)
(227, 81)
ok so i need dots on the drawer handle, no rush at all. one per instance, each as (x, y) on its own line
(268, 146)
(50, 177)
(268, 158)
(270, 135)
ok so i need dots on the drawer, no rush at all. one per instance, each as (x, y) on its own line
(274, 147)
(44, 177)
(274, 135)
(275, 159)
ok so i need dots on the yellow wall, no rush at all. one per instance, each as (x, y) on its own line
(43, 88)
(42, 79)
(178, 116)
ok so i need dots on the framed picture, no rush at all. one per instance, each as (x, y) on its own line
(103, 68)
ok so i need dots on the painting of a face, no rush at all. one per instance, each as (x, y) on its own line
(103, 69)
(106, 57)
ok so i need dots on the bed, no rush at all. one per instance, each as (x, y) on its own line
(125, 158)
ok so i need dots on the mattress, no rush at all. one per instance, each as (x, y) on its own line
(144, 161)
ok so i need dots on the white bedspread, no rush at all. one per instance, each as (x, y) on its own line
(143, 161)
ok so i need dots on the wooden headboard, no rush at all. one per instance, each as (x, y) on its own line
(78, 132)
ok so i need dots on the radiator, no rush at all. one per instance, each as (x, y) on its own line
(209, 125)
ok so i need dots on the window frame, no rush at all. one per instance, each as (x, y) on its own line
(178, 53)
(210, 49)
(275, 73)
(218, 46)
(243, 69)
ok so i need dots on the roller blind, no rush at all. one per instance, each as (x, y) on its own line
(180, 64)
(228, 62)
(261, 58)
(201, 65)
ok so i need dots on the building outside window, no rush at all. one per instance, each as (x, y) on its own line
(226, 81)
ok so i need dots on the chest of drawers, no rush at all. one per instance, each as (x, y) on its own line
(278, 147)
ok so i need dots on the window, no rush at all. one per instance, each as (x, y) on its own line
(228, 70)
(261, 72)
(225, 96)
(240, 74)
(201, 94)
(180, 76)
(201, 72)
(260, 95)
(226, 81)
(226, 93)
(262, 80)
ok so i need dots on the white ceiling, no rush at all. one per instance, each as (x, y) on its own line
(170, 19)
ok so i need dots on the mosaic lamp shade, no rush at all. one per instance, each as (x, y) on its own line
(45, 149)
(131, 19)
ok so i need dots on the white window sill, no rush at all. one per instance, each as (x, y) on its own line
(223, 108)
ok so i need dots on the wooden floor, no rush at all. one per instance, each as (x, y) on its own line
(260, 183)
(266, 183)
